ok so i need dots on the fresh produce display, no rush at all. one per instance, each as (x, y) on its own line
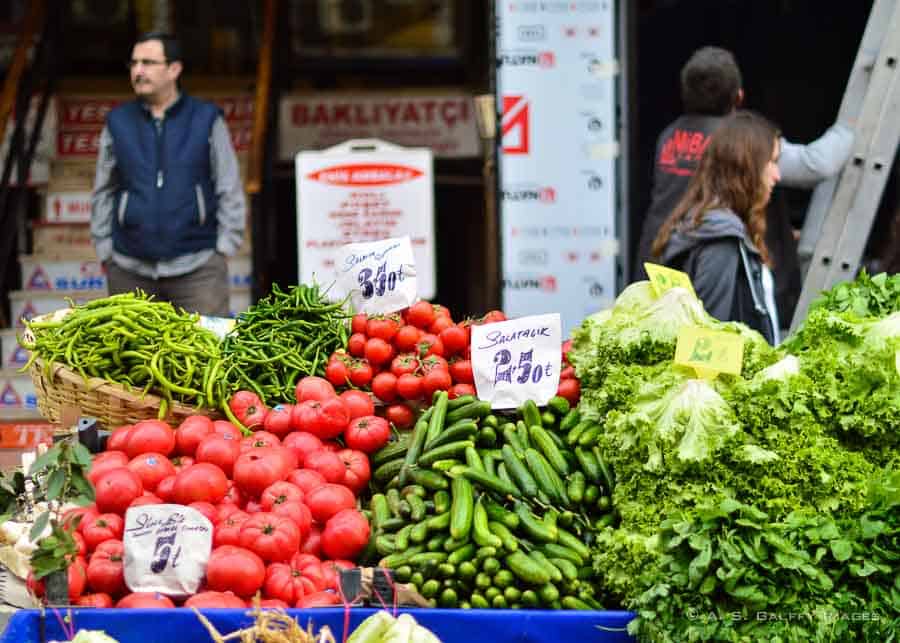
(281, 338)
(381, 627)
(131, 340)
(483, 510)
(764, 506)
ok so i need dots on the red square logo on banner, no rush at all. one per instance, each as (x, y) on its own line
(514, 125)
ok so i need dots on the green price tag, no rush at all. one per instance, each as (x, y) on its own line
(709, 352)
(664, 278)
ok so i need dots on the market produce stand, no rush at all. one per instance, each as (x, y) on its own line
(451, 626)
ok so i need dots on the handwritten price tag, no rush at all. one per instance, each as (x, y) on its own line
(709, 352)
(517, 360)
(379, 276)
(664, 278)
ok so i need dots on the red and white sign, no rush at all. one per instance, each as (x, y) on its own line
(68, 207)
(363, 191)
(443, 123)
(514, 125)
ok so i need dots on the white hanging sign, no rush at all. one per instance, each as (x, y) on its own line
(379, 276)
(166, 549)
(517, 360)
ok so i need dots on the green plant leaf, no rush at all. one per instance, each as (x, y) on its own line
(841, 550)
(43, 461)
(83, 486)
(55, 484)
(81, 455)
(40, 524)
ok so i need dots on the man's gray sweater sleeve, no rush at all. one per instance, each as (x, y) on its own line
(103, 198)
(802, 166)
(226, 178)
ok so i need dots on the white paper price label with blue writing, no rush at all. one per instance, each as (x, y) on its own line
(379, 276)
(517, 360)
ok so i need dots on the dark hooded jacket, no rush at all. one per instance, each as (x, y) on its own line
(725, 268)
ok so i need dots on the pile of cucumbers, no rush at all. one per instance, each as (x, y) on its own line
(479, 509)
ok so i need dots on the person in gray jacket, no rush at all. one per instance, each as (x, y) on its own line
(716, 233)
(168, 204)
(711, 88)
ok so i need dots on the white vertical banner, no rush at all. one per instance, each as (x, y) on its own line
(556, 95)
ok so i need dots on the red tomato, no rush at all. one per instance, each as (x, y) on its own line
(378, 351)
(190, 432)
(458, 390)
(106, 572)
(405, 363)
(566, 349)
(570, 389)
(420, 314)
(102, 528)
(383, 327)
(336, 371)
(214, 449)
(313, 388)
(440, 324)
(312, 544)
(327, 463)
(324, 598)
(182, 462)
(436, 380)
(323, 419)
(356, 345)
(151, 468)
(274, 538)
(273, 603)
(358, 323)
(298, 512)
(568, 373)
(384, 386)
(284, 582)
(79, 516)
(329, 499)
(105, 461)
(202, 482)
(119, 438)
(150, 436)
(165, 490)
(252, 507)
(357, 471)
(493, 317)
(145, 600)
(406, 338)
(248, 408)
(207, 509)
(77, 577)
(430, 344)
(146, 499)
(80, 543)
(461, 371)
(409, 386)
(116, 488)
(206, 600)
(260, 439)
(228, 531)
(400, 415)
(280, 492)
(360, 373)
(236, 569)
(233, 495)
(227, 430)
(368, 433)
(258, 468)
(434, 363)
(278, 420)
(346, 534)
(306, 479)
(301, 443)
(358, 403)
(224, 510)
(97, 600)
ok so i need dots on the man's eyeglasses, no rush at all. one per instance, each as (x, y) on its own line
(131, 64)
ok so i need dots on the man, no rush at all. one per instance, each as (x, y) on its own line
(711, 88)
(168, 205)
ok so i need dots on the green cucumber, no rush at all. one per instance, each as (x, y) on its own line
(460, 431)
(493, 483)
(518, 472)
(436, 423)
(530, 413)
(547, 446)
(462, 508)
(471, 411)
(526, 568)
(451, 450)
(481, 533)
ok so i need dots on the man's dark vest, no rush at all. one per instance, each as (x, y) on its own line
(166, 205)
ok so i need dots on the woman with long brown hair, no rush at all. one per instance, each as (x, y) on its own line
(716, 234)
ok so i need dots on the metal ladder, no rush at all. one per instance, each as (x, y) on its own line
(842, 210)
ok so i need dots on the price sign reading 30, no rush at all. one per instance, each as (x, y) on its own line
(379, 276)
(517, 360)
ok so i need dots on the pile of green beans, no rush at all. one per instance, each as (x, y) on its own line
(131, 340)
(281, 338)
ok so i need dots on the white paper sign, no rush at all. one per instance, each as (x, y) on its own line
(379, 276)
(166, 549)
(517, 360)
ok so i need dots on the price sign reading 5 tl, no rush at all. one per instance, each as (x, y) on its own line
(517, 360)
(380, 276)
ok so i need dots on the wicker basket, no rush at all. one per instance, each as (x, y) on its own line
(66, 391)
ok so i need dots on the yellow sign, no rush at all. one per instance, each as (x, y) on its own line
(664, 278)
(709, 352)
